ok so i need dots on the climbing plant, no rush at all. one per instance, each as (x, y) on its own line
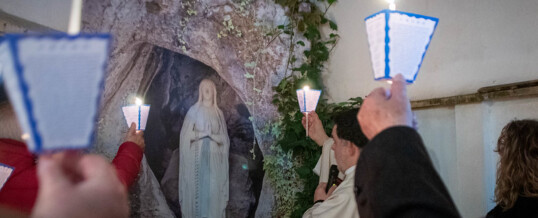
(289, 167)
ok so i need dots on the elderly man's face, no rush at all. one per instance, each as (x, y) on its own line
(340, 148)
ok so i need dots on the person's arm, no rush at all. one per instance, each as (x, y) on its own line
(129, 156)
(340, 205)
(325, 163)
(394, 175)
(315, 128)
(395, 178)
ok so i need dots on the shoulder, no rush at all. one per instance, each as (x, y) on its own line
(524, 207)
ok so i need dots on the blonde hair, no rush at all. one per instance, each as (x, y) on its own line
(517, 170)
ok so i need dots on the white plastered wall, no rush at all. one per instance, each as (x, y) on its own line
(461, 141)
(477, 43)
(49, 13)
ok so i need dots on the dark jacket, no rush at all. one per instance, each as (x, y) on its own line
(395, 178)
(524, 207)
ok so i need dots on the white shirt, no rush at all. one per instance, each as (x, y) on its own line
(341, 203)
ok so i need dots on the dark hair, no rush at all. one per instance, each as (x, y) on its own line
(3, 94)
(517, 171)
(348, 127)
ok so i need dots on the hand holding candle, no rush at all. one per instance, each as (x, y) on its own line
(308, 101)
(137, 113)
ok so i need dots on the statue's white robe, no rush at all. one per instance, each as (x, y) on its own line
(201, 119)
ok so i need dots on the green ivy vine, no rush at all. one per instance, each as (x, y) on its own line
(289, 167)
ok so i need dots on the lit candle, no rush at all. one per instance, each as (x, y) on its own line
(305, 89)
(137, 113)
(138, 103)
(392, 5)
(75, 17)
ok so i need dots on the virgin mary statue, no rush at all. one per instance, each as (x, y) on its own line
(203, 164)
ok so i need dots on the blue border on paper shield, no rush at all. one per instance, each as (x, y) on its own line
(19, 70)
(139, 115)
(304, 97)
(387, 39)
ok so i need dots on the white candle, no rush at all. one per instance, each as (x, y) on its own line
(138, 103)
(305, 89)
(75, 17)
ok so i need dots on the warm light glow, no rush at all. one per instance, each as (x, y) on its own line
(138, 101)
(392, 4)
(389, 82)
(73, 27)
(25, 136)
(306, 88)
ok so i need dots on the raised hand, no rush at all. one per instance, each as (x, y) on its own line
(382, 110)
(135, 136)
(79, 186)
(315, 128)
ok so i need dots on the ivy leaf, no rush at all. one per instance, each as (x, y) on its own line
(303, 171)
(331, 1)
(324, 20)
(332, 35)
(280, 27)
(300, 43)
(333, 25)
(248, 75)
(250, 64)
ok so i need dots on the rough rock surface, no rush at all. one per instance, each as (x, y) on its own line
(191, 28)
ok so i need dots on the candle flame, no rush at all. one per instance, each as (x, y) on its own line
(306, 88)
(138, 101)
(392, 4)
(25, 136)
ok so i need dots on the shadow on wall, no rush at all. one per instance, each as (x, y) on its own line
(173, 90)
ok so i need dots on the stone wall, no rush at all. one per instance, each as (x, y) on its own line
(227, 36)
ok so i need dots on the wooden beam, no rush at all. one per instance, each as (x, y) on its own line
(512, 90)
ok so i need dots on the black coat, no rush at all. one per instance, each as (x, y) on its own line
(524, 208)
(395, 178)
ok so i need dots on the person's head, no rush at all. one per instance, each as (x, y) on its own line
(348, 139)
(207, 92)
(517, 171)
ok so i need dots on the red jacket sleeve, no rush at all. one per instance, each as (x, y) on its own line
(127, 162)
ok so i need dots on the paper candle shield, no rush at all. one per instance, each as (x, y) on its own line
(308, 99)
(5, 173)
(398, 42)
(54, 83)
(136, 114)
